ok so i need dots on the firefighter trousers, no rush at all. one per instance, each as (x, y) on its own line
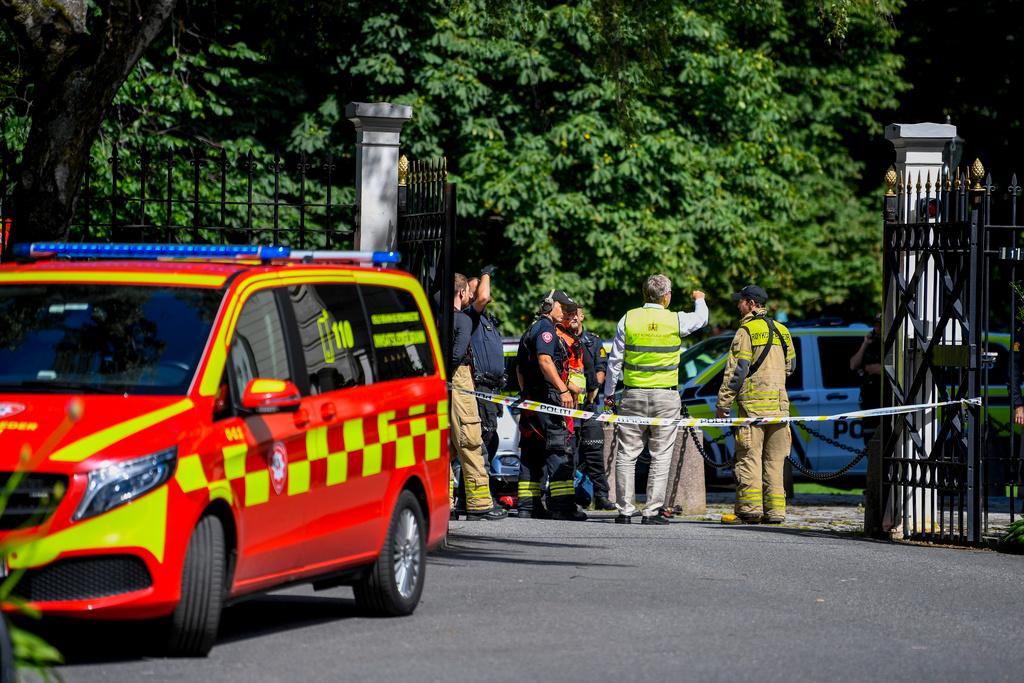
(545, 451)
(467, 444)
(761, 453)
(590, 440)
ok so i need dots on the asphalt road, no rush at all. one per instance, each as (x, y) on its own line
(530, 600)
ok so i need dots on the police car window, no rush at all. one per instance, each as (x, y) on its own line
(698, 357)
(796, 380)
(1001, 368)
(335, 341)
(509, 350)
(793, 382)
(257, 347)
(834, 355)
(399, 336)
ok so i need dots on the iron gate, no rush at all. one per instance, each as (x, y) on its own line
(949, 327)
(426, 236)
(204, 195)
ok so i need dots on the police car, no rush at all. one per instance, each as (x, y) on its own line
(183, 426)
(823, 384)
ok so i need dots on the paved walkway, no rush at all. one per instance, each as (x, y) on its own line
(841, 513)
(817, 511)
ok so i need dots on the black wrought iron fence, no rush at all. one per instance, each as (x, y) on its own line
(204, 195)
(950, 262)
(426, 236)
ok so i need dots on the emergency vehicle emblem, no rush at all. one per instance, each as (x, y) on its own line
(546, 336)
(279, 467)
(8, 409)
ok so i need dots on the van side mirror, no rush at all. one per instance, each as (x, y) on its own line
(270, 395)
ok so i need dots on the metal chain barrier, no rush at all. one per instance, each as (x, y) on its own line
(823, 476)
(810, 474)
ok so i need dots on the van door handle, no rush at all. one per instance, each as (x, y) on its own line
(799, 399)
(836, 397)
(328, 411)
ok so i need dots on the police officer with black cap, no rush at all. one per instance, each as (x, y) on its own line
(544, 441)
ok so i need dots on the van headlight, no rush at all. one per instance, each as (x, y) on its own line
(122, 482)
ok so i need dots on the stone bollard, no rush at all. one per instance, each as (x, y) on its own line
(686, 475)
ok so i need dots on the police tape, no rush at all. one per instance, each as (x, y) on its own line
(537, 406)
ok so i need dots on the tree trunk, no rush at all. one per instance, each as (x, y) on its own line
(76, 76)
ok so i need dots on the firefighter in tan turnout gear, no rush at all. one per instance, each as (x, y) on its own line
(760, 359)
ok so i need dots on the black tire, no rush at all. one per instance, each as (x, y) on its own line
(193, 626)
(394, 584)
(8, 673)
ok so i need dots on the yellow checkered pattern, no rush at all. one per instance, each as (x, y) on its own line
(253, 486)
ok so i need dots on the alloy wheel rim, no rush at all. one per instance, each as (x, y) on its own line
(408, 555)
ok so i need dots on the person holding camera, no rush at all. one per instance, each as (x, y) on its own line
(867, 363)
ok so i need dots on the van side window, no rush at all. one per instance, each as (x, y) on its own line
(399, 335)
(258, 347)
(335, 342)
(834, 355)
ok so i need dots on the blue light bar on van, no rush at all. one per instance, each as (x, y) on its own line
(146, 251)
(195, 251)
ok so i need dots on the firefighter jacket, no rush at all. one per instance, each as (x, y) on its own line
(761, 393)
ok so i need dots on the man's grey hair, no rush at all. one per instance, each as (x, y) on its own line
(656, 288)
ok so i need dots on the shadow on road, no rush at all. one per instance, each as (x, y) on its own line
(463, 549)
(96, 642)
(791, 531)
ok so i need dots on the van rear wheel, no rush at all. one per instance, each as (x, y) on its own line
(194, 623)
(395, 582)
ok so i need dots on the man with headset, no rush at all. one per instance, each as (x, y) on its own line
(544, 440)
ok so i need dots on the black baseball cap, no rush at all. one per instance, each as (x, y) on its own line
(561, 297)
(752, 292)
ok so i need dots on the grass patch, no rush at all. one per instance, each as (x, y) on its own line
(812, 487)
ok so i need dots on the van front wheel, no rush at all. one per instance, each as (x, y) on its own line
(194, 623)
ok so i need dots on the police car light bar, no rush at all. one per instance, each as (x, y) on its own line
(194, 251)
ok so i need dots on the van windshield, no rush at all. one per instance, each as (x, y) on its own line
(96, 338)
(698, 357)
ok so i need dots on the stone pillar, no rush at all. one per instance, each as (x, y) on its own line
(686, 475)
(923, 152)
(378, 132)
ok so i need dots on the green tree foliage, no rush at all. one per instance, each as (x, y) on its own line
(728, 167)
(594, 142)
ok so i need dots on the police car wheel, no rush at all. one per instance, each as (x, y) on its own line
(394, 584)
(193, 625)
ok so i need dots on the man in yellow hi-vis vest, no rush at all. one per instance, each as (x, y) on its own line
(760, 359)
(646, 349)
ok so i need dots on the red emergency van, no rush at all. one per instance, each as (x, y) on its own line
(181, 426)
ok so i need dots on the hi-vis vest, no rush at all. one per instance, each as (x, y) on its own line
(651, 360)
